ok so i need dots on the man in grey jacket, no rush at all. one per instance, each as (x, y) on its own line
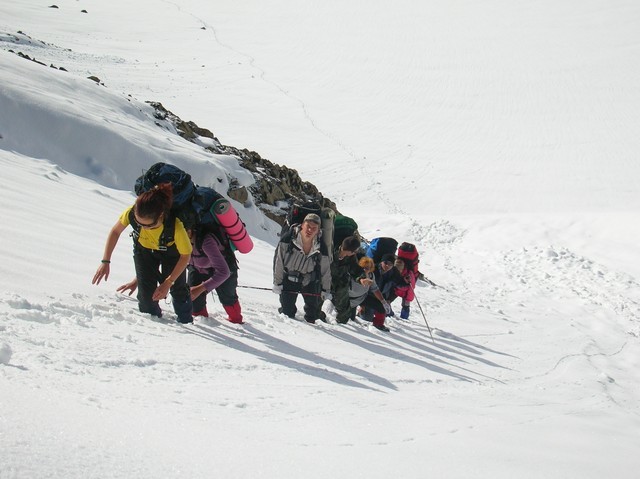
(301, 265)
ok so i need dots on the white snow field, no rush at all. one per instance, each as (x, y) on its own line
(499, 137)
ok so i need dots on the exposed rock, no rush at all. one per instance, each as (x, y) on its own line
(27, 57)
(241, 195)
(275, 185)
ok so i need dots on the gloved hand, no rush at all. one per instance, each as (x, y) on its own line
(387, 308)
(277, 288)
(404, 312)
(326, 295)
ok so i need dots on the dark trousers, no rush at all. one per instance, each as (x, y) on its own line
(341, 301)
(310, 294)
(152, 268)
(227, 291)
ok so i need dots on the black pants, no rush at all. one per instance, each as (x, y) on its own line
(227, 291)
(310, 294)
(152, 268)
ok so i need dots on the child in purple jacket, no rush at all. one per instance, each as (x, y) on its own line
(212, 266)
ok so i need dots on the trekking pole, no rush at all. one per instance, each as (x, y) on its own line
(423, 315)
(254, 287)
(270, 289)
(430, 282)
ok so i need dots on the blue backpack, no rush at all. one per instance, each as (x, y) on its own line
(381, 246)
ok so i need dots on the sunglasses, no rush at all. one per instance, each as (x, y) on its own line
(147, 225)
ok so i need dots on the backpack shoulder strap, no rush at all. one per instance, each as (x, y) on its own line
(168, 231)
(135, 234)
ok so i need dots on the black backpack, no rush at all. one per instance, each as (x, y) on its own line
(296, 216)
(158, 173)
(193, 205)
(297, 213)
(380, 247)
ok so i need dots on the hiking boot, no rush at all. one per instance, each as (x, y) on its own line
(234, 313)
(311, 321)
(185, 320)
(367, 315)
(322, 316)
(281, 311)
(381, 328)
(203, 312)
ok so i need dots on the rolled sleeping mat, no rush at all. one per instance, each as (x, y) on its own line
(230, 220)
(327, 216)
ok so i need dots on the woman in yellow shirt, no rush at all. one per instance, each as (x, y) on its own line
(161, 253)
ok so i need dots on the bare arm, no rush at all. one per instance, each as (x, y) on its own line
(104, 269)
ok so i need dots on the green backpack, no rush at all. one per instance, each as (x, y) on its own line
(343, 226)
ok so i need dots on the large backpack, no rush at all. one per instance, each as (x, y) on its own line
(183, 187)
(408, 253)
(298, 212)
(343, 226)
(381, 246)
(198, 207)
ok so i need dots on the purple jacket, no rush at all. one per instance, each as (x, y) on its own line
(208, 260)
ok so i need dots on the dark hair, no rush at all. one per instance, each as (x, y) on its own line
(388, 258)
(350, 243)
(155, 202)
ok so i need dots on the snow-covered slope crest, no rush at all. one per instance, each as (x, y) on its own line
(87, 129)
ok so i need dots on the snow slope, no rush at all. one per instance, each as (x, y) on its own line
(497, 136)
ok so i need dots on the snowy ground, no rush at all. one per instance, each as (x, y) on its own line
(499, 137)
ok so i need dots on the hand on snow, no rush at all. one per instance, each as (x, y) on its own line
(131, 286)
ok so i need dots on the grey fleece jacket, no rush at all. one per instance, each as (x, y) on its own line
(292, 260)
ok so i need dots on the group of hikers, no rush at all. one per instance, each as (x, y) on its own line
(188, 255)
(349, 276)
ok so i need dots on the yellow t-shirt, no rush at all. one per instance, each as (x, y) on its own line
(150, 238)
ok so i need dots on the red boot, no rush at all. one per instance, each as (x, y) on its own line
(202, 312)
(378, 321)
(234, 312)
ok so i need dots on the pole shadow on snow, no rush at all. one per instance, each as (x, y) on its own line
(395, 354)
(449, 338)
(284, 348)
(463, 351)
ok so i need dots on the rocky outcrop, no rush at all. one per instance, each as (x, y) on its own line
(275, 185)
